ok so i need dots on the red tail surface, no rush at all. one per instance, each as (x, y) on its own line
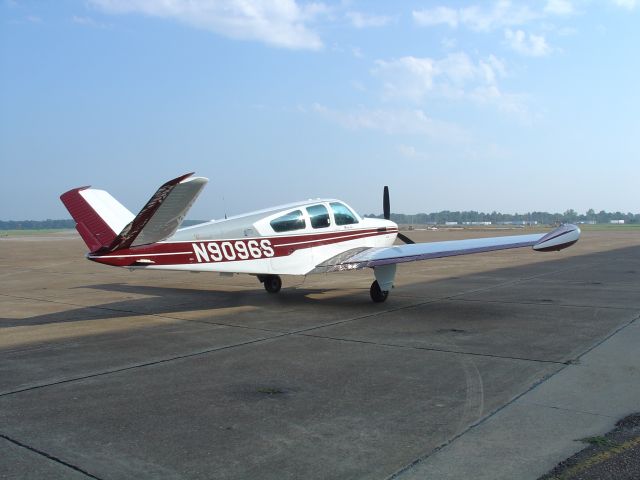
(106, 225)
(99, 217)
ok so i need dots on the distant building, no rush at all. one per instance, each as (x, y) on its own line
(476, 223)
(617, 222)
(519, 222)
(587, 222)
(451, 223)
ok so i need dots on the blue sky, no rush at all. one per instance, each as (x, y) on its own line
(507, 106)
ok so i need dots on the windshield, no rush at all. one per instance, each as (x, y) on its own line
(342, 214)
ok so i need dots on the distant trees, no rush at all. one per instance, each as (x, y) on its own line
(36, 224)
(570, 216)
(546, 218)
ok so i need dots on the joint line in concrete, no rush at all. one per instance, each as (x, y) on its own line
(433, 349)
(141, 365)
(48, 456)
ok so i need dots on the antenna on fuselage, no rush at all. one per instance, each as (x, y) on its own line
(224, 208)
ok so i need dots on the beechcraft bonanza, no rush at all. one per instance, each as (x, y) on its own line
(314, 236)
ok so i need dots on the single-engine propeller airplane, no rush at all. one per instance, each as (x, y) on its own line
(313, 236)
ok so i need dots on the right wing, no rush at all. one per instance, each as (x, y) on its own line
(562, 237)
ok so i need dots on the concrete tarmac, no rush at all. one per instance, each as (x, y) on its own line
(487, 365)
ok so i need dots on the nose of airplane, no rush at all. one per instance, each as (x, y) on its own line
(386, 209)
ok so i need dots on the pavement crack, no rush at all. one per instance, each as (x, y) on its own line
(545, 304)
(601, 341)
(48, 456)
(572, 410)
(140, 365)
(434, 349)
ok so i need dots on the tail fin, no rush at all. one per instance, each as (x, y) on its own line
(99, 216)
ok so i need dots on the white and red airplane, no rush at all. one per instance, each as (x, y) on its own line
(314, 236)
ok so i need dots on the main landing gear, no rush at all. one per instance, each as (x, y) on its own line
(377, 295)
(272, 283)
(385, 276)
(384, 279)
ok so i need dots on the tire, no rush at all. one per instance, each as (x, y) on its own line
(377, 295)
(272, 283)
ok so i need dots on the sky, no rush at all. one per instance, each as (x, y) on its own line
(464, 105)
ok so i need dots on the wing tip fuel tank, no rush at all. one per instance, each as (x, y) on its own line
(562, 237)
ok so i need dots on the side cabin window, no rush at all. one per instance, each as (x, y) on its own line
(342, 214)
(291, 221)
(319, 216)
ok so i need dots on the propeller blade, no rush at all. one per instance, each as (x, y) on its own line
(386, 206)
(405, 239)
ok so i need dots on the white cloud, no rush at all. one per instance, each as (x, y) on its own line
(566, 31)
(455, 76)
(502, 14)
(628, 4)
(559, 7)
(407, 77)
(437, 16)
(512, 103)
(527, 44)
(359, 86)
(394, 122)
(357, 52)
(448, 43)
(87, 22)
(364, 20)
(409, 151)
(281, 23)
(414, 78)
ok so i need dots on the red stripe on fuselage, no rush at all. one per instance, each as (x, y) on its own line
(223, 250)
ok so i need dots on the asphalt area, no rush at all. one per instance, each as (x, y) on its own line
(615, 455)
(106, 373)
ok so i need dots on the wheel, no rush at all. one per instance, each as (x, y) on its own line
(272, 283)
(377, 295)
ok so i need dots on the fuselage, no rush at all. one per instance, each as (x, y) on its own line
(289, 239)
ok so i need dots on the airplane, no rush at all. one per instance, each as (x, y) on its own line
(302, 238)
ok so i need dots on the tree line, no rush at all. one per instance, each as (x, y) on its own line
(545, 218)
(438, 218)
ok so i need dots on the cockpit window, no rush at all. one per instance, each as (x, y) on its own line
(319, 216)
(342, 214)
(291, 221)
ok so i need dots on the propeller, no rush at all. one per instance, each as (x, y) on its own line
(386, 206)
(386, 210)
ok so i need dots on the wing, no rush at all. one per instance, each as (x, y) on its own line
(562, 237)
